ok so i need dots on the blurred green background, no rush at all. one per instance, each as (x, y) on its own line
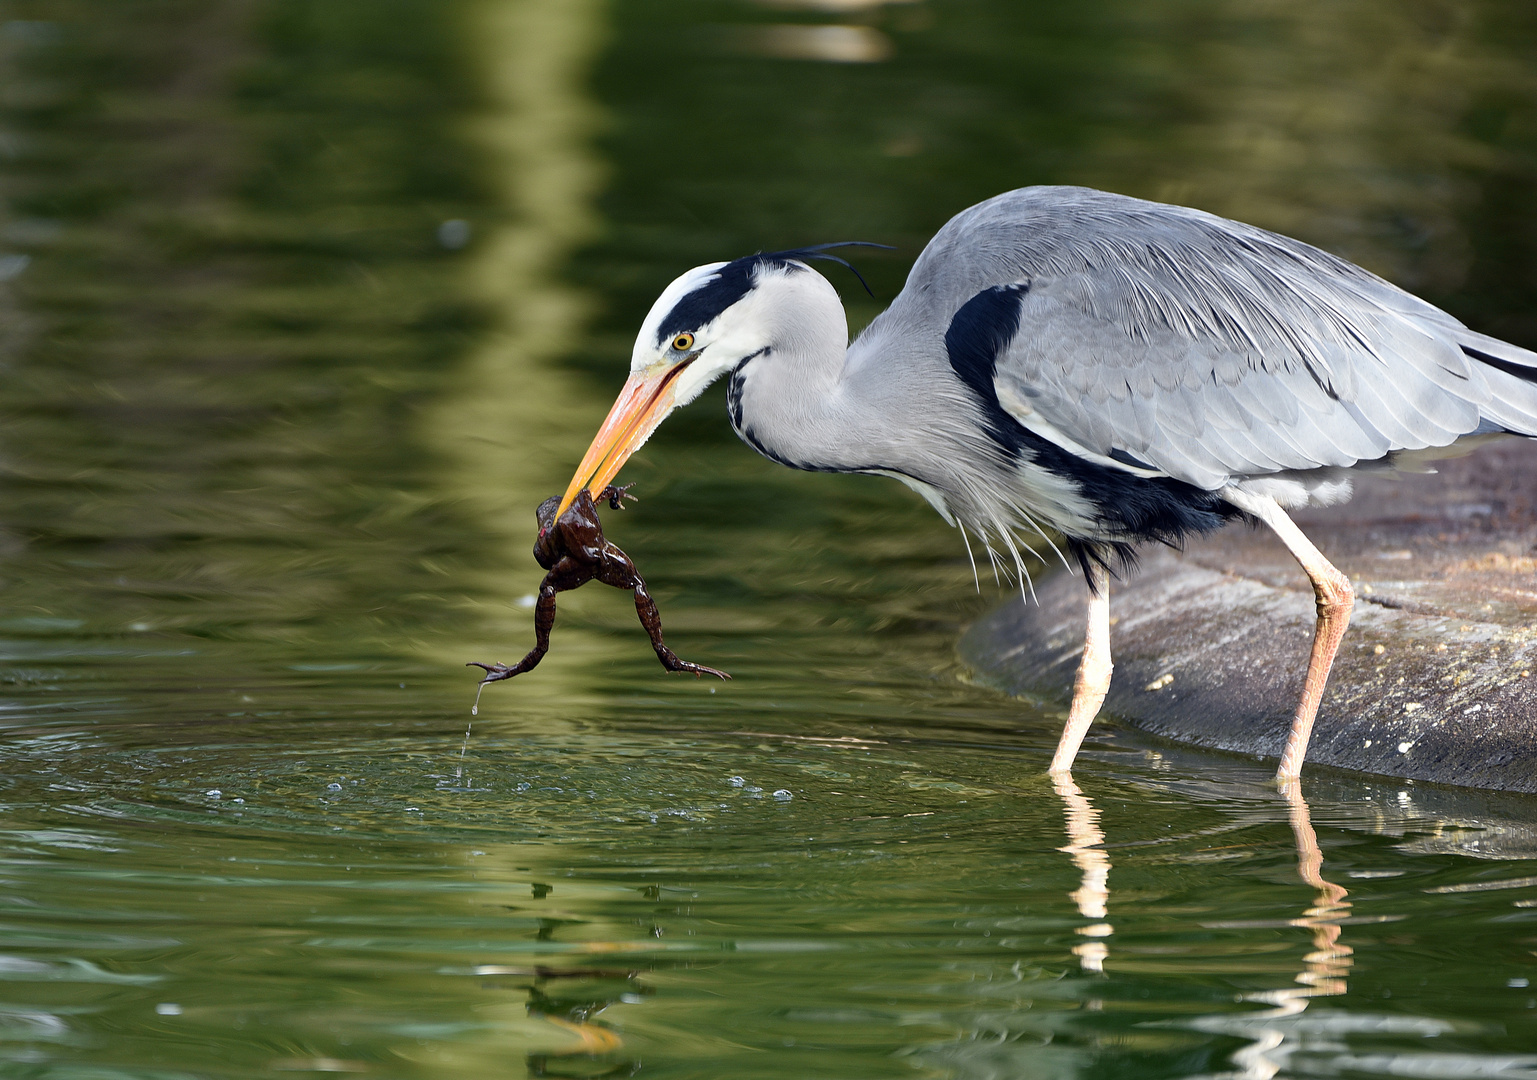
(246, 356)
(306, 304)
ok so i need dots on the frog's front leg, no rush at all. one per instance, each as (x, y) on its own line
(616, 494)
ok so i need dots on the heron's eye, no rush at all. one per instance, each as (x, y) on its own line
(683, 342)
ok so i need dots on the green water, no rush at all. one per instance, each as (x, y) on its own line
(272, 436)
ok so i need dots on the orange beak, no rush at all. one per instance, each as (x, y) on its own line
(645, 401)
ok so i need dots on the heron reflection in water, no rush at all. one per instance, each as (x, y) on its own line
(1324, 969)
(1069, 363)
(1086, 845)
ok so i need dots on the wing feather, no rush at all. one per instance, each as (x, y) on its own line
(1210, 349)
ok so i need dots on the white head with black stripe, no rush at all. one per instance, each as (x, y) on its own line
(712, 320)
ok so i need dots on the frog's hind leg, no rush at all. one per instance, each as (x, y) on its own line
(544, 620)
(617, 570)
(651, 619)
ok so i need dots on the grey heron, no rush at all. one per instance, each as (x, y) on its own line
(1068, 362)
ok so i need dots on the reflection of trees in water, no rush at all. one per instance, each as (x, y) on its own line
(1354, 126)
(234, 300)
(1402, 135)
(572, 999)
(508, 425)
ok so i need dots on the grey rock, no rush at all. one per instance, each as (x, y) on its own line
(1434, 680)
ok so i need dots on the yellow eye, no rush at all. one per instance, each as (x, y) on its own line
(683, 342)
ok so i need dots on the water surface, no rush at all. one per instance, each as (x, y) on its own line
(306, 306)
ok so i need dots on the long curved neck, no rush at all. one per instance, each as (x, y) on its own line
(889, 404)
(787, 398)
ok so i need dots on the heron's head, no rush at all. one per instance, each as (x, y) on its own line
(703, 325)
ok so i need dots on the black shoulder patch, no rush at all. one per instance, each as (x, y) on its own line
(980, 330)
(730, 283)
(1131, 508)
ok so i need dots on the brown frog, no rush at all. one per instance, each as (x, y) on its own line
(574, 551)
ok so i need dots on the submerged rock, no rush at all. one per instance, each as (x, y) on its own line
(1435, 679)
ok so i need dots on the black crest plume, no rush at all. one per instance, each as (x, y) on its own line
(819, 251)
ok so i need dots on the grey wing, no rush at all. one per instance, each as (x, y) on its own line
(1170, 341)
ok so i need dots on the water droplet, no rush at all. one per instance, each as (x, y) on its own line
(474, 710)
(333, 787)
(454, 234)
(783, 795)
(168, 1008)
(213, 793)
(11, 265)
(735, 781)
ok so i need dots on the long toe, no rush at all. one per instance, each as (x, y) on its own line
(494, 672)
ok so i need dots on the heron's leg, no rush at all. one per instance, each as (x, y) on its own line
(1094, 670)
(1334, 598)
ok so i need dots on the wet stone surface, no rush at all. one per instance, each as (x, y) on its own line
(1434, 679)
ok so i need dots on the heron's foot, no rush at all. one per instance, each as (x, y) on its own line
(673, 662)
(616, 494)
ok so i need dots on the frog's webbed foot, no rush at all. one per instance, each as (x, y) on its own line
(616, 494)
(498, 672)
(673, 662)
